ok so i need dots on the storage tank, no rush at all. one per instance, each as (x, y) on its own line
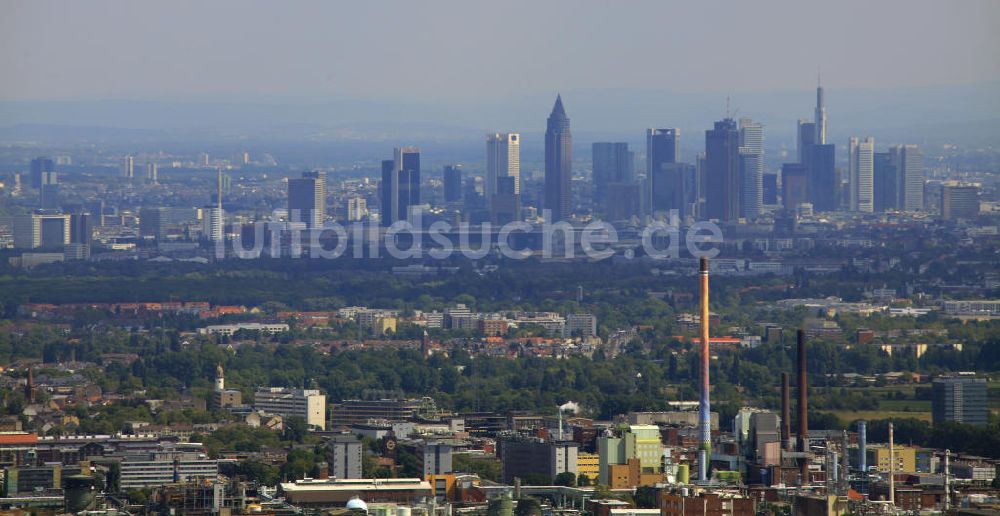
(683, 474)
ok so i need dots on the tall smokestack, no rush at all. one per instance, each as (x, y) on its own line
(947, 480)
(803, 440)
(786, 413)
(704, 408)
(892, 468)
(863, 447)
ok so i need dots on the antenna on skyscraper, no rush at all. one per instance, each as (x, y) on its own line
(727, 107)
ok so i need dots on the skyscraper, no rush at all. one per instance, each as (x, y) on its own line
(81, 228)
(672, 188)
(50, 231)
(722, 176)
(793, 186)
(558, 163)
(909, 162)
(400, 186)
(805, 137)
(41, 168)
(407, 164)
(662, 147)
(386, 192)
(884, 182)
(128, 167)
(503, 159)
(152, 171)
(820, 117)
(357, 208)
(48, 196)
(770, 189)
(751, 167)
(612, 163)
(214, 223)
(822, 183)
(861, 174)
(153, 222)
(307, 199)
(452, 184)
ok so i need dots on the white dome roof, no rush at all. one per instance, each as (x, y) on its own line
(357, 504)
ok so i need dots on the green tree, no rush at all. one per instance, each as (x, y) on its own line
(566, 478)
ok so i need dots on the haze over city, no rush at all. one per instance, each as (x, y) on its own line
(500, 259)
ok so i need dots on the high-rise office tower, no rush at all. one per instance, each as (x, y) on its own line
(558, 163)
(153, 222)
(662, 147)
(909, 162)
(128, 167)
(959, 200)
(386, 194)
(820, 117)
(622, 201)
(400, 184)
(805, 137)
(408, 166)
(50, 231)
(214, 222)
(152, 172)
(48, 196)
(612, 163)
(722, 179)
(42, 170)
(960, 400)
(503, 159)
(861, 174)
(357, 208)
(453, 184)
(823, 185)
(793, 186)
(307, 199)
(672, 187)
(506, 205)
(884, 182)
(770, 189)
(81, 228)
(751, 167)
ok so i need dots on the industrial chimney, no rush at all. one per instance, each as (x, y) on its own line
(803, 440)
(863, 447)
(786, 414)
(704, 408)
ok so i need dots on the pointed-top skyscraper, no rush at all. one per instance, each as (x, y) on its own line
(820, 115)
(558, 163)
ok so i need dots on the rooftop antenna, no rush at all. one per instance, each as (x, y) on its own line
(727, 107)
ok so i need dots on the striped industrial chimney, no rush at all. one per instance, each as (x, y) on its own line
(704, 407)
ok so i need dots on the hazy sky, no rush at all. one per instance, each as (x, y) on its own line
(421, 50)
